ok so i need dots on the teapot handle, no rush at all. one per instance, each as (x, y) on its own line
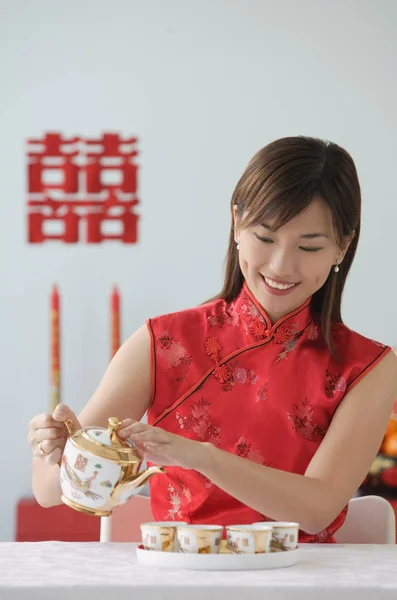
(71, 431)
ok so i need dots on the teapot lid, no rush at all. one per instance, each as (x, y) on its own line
(107, 444)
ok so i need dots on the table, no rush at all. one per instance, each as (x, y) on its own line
(88, 571)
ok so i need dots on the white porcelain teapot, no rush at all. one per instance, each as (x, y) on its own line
(100, 471)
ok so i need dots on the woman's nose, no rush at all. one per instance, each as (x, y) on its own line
(282, 265)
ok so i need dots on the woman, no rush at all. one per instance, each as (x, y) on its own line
(262, 404)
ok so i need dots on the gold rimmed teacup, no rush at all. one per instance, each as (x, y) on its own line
(160, 535)
(284, 535)
(249, 539)
(199, 539)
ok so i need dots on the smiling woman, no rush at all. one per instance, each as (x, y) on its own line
(296, 214)
(287, 261)
(261, 403)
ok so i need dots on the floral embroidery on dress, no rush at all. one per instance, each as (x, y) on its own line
(253, 321)
(165, 340)
(229, 317)
(313, 332)
(239, 375)
(248, 308)
(175, 355)
(334, 383)
(302, 420)
(261, 395)
(184, 364)
(218, 320)
(176, 496)
(290, 344)
(245, 450)
(200, 423)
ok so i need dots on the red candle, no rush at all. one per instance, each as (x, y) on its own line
(55, 389)
(115, 321)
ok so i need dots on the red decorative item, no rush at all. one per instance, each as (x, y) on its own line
(55, 378)
(111, 148)
(36, 524)
(115, 321)
(80, 194)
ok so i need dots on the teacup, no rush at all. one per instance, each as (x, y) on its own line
(160, 535)
(249, 539)
(199, 539)
(284, 536)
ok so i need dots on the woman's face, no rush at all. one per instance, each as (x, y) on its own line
(284, 268)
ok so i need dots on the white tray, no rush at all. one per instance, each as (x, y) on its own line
(217, 562)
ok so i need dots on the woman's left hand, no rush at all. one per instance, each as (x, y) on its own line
(163, 448)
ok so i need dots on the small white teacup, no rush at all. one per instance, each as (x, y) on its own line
(249, 539)
(160, 535)
(199, 539)
(284, 536)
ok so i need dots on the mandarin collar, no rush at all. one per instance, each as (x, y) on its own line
(260, 325)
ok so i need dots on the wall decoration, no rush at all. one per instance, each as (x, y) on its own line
(55, 360)
(55, 338)
(79, 189)
(114, 321)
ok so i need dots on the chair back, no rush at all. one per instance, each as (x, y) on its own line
(369, 520)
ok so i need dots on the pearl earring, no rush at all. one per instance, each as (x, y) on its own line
(238, 243)
(336, 267)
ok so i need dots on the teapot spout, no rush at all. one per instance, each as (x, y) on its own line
(140, 479)
(133, 485)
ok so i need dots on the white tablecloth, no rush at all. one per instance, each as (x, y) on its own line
(88, 571)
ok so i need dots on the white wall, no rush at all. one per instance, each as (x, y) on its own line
(204, 84)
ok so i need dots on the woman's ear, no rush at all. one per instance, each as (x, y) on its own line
(345, 247)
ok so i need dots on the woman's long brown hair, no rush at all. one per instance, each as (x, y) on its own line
(279, 183)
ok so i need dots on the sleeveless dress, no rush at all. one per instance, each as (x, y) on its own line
(222, 373)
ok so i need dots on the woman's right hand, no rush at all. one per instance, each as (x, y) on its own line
(48, 433)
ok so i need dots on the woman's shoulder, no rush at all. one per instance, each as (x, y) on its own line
(191, 316)
(359, 354)
(347, 339)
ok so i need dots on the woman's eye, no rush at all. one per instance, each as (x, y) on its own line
(264, 239)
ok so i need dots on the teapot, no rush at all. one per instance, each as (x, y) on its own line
(100, 471)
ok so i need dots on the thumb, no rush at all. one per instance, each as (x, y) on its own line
(63, 413)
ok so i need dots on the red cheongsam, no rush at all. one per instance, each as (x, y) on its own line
(222, 373)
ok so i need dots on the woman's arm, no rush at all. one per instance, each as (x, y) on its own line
(125, 391)
(336, 470)
(333, 475)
